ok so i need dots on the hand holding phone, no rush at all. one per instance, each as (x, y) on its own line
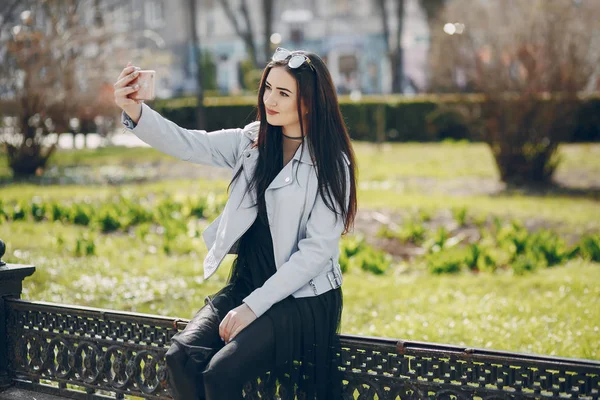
(127, 90)
(146, 80)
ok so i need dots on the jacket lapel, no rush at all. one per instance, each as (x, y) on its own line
(286, 175)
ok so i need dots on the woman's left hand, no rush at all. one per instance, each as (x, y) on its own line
(235, 321)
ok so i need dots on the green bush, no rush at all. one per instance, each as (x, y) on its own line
(445, 123)
(38, 209)
(449, 261)
(437, 240)
(3, 213)
(356, 253)
(58, 212)
(589, 248)
(20, 211)
(526, 263)
(411, 232)
(85, 246)
(109, 220)
(423, 119)
(460, 215)
(81, 214)
(197, 207)
(372, 260)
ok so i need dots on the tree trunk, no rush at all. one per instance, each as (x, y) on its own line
(432, 9)
(246, 35)
(397, 55)
(268, 17)
(197, 60)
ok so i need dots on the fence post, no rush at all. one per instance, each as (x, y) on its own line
(11, 284)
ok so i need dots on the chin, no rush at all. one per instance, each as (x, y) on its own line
(272, 120)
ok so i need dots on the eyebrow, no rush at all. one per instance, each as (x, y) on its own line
(280, 88)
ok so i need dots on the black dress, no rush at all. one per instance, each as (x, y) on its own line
(306, 329)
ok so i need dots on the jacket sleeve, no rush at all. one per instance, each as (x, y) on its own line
(217, 148)
(323, 232)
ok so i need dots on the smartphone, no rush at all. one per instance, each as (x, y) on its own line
(147, 81)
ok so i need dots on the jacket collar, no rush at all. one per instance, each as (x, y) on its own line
(302, 153)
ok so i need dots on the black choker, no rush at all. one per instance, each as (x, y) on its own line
(291, 137)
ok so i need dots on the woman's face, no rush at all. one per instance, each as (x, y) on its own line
(280, 98)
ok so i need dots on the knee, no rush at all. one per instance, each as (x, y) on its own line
(175, 357)
(219, 373)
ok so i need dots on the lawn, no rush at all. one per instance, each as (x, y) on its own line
(549, 311)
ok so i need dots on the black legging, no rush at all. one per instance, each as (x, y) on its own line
(194, 374)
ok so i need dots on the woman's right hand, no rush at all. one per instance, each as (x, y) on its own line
(123, 89)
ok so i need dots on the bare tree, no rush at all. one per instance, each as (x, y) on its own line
(531, 60)
(196, 54)
(244, 32)
(7, 11)
(267, 7)
(244, 28)
(395, 53)
(49, 81)
(433, 10)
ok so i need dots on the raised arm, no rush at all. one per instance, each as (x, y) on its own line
(218, 148)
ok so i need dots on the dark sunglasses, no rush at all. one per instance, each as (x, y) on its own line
(295, 61)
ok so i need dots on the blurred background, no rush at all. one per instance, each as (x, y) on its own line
(475, 123)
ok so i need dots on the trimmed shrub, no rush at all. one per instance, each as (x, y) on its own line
(421, 118)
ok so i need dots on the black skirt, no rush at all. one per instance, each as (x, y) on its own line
(306, 329)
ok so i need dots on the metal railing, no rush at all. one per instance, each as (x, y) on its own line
(90, 353)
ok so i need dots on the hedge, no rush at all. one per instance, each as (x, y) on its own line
(421, 118)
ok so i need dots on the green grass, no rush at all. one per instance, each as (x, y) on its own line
(435, 160)
(389, 161)
(575, 213)
(553, 311)
(77, 192)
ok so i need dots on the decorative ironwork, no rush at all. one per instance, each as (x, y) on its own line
(106, 353)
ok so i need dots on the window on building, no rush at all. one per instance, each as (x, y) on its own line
(154, 11)
(348, 64)
(343, 6)
(348, 77)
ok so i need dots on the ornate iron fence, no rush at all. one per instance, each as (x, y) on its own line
(80, 352)
(91, 353)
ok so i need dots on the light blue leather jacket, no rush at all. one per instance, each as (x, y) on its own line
(305, 231)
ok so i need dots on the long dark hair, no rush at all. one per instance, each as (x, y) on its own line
(326, 135)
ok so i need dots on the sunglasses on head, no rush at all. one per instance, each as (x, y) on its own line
(295, 61)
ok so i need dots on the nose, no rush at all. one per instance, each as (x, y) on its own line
(269, 101)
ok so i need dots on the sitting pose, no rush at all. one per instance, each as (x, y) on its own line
(291, 197)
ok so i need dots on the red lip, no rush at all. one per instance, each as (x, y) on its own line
(271, 112)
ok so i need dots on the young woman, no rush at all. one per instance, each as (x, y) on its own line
(291, 197)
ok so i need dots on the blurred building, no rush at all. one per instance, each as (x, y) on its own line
(347, 34)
